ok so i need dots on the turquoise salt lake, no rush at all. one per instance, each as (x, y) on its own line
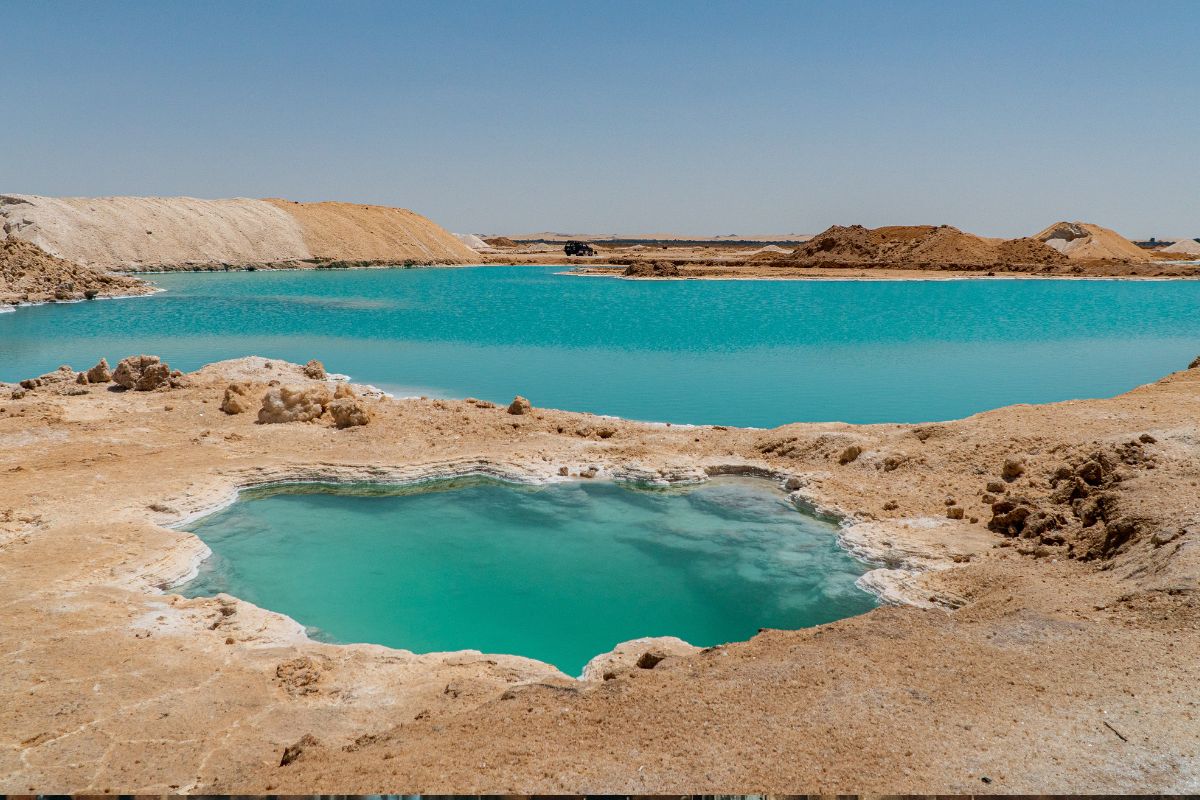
(566, 571)
(753, 353)
(559, 573)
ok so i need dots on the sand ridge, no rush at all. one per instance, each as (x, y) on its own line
(140, 233)
(1060, 657)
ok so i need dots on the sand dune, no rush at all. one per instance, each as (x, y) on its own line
(142, 232)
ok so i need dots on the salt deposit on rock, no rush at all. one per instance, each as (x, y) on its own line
(100, 373)
(315, 370)
(519, 406)
(63, 374)
(348, 412)
(293, 404)
(143, 373)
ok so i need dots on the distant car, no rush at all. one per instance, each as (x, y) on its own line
(578, 249)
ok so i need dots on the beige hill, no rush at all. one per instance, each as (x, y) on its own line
(1084, 241)
(373, 233)
(147, 232)
(1184, 247)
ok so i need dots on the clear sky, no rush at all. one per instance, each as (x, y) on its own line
(690, 117)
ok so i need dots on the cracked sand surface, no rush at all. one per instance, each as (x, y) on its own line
(1011, 661)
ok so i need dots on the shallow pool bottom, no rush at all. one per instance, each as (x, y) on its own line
(558, 573)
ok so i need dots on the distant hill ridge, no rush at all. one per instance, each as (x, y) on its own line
(147, 232)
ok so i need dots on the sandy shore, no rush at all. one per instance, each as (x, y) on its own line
(1057, 651)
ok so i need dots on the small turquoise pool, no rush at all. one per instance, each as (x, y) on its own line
(559, 573)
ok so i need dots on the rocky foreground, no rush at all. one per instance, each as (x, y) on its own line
(1046, 558)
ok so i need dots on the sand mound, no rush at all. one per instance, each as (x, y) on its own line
(919, 244)
(1188, 247)
(472, 241)
(500, 241)
(769, 250)
(149, 231)
(1084, 241)
(29, 274)
(349, 231)
(141, 232)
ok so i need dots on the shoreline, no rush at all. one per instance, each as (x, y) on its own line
(159, 460)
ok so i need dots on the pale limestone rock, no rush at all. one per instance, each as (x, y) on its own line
(519, 405)
(348, 412)
(143, 373)
(315, 369)
(100, 373)
(293, 404)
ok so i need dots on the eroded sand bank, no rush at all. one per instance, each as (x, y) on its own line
(1060, 652)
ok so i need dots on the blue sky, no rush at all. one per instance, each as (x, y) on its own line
(697, 118)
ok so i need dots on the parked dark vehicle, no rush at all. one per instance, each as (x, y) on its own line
(578, 249)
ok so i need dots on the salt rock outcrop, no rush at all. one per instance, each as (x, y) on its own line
(62, 375)
(315, 369)
(348, 412)
(238, 399)
(519, 406)
(100, 373)
(144, 373)
(293, 404)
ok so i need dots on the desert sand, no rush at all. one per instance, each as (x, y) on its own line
(1043, 562)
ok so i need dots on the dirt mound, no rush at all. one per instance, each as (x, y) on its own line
(651, 269)
(918, 245)
(350, 231)
(500, 241)
(28, 274)
(1189, 247)
(1082, 241)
